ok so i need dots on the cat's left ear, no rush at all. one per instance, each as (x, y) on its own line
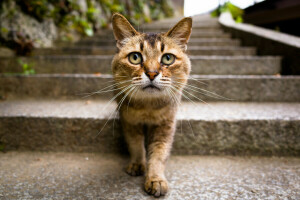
(122, 28)
(181, 32)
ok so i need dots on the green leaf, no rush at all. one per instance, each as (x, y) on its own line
(2, 146)
(89, 32)
(25, 66)
(4, 30)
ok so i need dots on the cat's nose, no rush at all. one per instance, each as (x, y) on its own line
(151, 74)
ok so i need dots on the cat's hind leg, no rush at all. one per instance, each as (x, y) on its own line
(134, 137)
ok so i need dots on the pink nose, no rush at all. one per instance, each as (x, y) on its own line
(152, 74)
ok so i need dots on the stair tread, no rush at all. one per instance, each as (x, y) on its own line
(48, 175)
(261, 88)
(191, 47)
(111, 50)
(101, 109)
(268, 65)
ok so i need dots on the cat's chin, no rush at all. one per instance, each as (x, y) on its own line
(151, 89)
(150, 92)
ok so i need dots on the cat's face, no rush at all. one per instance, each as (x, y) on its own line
(151, 65)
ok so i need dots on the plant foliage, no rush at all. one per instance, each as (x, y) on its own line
(236, 12)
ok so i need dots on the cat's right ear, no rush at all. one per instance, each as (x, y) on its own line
(122, 28)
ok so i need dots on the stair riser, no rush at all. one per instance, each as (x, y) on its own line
(259, 137)
(170, 25)
(111, 51)
(102, 64)
(236, 88)
(196, 35)
(191, 43)
(195, 30)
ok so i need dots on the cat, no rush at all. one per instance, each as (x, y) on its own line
(150, 71)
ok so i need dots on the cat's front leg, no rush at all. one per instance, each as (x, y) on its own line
(160, 139)
(134, 137)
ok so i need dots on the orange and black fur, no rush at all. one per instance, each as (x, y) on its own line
(150, 71)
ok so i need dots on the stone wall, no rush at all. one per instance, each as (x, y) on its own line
(25, 25)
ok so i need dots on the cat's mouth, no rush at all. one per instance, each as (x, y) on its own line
(151, 87)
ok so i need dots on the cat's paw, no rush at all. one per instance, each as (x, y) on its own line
(156, 186)
(135, 169)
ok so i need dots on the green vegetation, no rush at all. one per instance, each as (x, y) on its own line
(70, 18)
(235, 11)
(87, 16)
(27, 68)
(2, 147)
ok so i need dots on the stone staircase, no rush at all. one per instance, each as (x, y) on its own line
(249, 110)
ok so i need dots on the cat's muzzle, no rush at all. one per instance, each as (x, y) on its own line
(151, 86)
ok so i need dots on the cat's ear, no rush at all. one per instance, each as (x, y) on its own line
(181, 31)
(122, 28)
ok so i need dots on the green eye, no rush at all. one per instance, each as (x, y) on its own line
(168, 59)
(135, 58)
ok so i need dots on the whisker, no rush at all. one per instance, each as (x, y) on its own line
(211, 94)
(119, 106)
(191, 78)
(170, 92)
(194, 96)
(134, 92)
(172, 87)
(108, 87)
(112, 99)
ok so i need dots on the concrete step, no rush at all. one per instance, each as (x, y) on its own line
(159, 29)
(38, 175)
(201, 25)
(211, 34)
(222, 65)
(201, 32)
(193, 50)
(192, 42)
(218, 33)
(231, 87)
(173, 21)
(90, 126)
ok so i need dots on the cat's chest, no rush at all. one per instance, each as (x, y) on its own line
(148, 115)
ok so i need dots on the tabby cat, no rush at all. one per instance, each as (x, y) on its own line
(150, 71)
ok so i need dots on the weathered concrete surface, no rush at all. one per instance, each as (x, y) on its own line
(217, 33)
(163, 28)
(6, 52)
(235, 65)
(267, 41)
(106, 50)
(233, 87)
(27, 175)
(90, 126)
(192, 42)
(196, 34)
(203, 25)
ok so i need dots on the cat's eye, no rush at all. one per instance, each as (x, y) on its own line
(135, 58)
(168, 59)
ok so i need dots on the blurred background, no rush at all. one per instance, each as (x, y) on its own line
(26, 24)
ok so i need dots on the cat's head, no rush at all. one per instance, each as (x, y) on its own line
(151, 64)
